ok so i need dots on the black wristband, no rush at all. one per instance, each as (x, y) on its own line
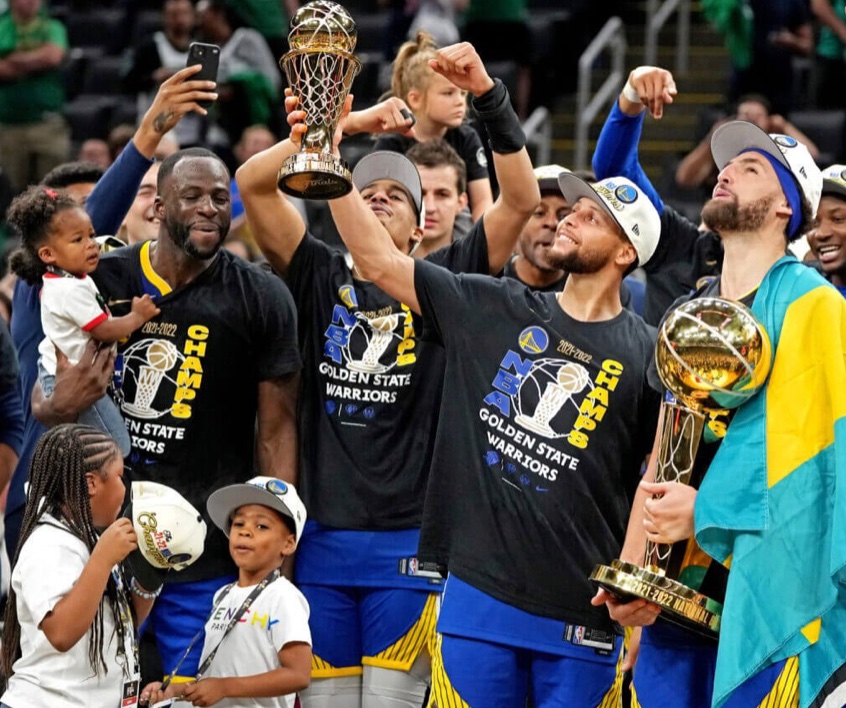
(505, 134)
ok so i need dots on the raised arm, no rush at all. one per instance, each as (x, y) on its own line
(518, 189)
(616, 150)
(274, 222)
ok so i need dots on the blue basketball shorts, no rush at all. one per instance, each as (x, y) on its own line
(356, 626)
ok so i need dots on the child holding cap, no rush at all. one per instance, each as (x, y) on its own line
(257, 638)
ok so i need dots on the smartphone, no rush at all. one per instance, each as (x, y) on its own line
(208, 56)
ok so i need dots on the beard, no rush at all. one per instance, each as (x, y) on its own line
(731, 217)
(584, 262)
(180, 234)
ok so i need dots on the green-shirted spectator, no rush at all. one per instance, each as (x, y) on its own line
(831, 45)
(270, 18)
(34, 136)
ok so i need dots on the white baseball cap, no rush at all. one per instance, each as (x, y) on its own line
(171, 532)
(547, 177)
(737, 136)
(834, 180)
(266, 491)
(625, 203)
(386, 164)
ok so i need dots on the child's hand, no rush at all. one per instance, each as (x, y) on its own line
(145, 307)
(206, 692)
(461, 64)
(116, 543)
(153, 693)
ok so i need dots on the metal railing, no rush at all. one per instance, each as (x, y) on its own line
(612, 36)
(656, 18)
(538, 130)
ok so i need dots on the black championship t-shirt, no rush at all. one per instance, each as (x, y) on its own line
(689, 563)
(465, 139)
(371, 390)
(544, 425)
(683, 257)
(188, 379)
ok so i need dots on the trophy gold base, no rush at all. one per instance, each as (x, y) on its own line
(315, 175)
(679, 604)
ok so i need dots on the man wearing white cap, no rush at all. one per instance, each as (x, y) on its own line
(764, 526)
(827, 239)
(371, 390)
(543, 422)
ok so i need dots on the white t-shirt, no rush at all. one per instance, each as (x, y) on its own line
(278, 616)
(70, 308)
(50, 563)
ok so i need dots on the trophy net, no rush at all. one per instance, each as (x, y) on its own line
(322, 81)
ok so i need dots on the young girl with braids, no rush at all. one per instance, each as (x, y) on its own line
(58, 251)
(440, 109)
(69, 638)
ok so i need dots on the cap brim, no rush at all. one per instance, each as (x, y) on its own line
(574, 188)
(223, 503)
(386, 164)
(832, 188)
(731, 139)
(549, 185)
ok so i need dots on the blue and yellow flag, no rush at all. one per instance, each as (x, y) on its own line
(773, 503)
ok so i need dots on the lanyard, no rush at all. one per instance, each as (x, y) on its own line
(257, 590)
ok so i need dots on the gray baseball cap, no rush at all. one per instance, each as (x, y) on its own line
(386, 164)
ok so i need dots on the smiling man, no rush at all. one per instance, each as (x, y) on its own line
(141, 222)
(544, 423)
(827, 239)
(208, 387)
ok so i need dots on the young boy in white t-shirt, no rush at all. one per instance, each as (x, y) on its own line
(258, 642)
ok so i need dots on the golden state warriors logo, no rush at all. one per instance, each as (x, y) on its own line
(626, 194)
(347, 295)
(533, 340)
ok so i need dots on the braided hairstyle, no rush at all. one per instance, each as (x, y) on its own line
(411, 68)
(58, 486)
(31, 214)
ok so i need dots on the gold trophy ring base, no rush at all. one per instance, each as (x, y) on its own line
(312, 175)
(679, 604)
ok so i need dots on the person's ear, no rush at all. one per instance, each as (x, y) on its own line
(289, 546)
(626, 256)
(416, 238)
(462, 201)
(414, 99)
(158, 207)
(45, 253)
(93, 484)
(783, 209)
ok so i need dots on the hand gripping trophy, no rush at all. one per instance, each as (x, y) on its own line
(320, 68)
(711, 354)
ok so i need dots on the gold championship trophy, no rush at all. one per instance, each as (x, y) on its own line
(711, 354)
(320, 68)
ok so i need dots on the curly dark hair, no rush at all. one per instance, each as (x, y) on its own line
(30, 215)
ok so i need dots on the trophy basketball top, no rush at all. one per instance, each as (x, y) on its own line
(323, 26)
(713, 353)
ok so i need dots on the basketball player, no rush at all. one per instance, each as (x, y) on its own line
(542, 420)
(780, 611)
(207, 388)
(370, 398)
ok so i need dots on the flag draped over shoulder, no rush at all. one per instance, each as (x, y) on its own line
(773, 503)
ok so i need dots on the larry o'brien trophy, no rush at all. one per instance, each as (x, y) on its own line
(320, 67)
(711, 354)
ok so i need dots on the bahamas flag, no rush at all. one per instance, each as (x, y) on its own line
(773, 503)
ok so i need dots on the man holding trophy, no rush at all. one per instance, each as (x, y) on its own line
(769, 474)
(369, 403)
